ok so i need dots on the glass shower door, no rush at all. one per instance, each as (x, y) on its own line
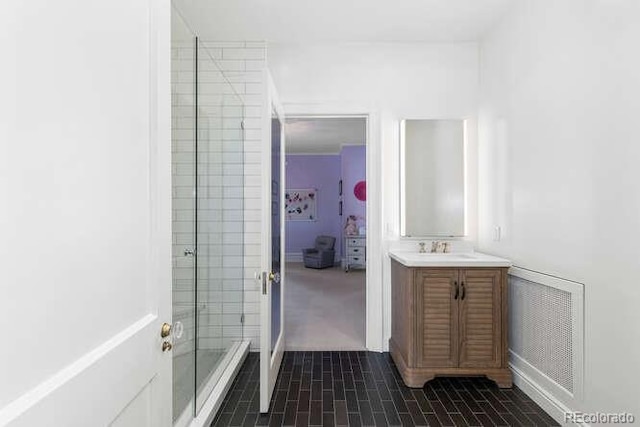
(183, 163)
(208, 221)
(219, 222)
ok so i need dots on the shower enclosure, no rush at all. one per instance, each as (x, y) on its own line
(207, 170)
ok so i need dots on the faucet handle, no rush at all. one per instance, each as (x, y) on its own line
(445, 248)
(434, 246)
(422, 250)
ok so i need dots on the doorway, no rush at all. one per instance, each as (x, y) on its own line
(325, 230)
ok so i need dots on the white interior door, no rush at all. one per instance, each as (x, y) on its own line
(85, 184)
(272, 334)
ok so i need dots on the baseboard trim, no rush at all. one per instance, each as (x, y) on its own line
(544, 399)
(293, 257)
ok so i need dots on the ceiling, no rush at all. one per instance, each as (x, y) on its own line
(323, 135)
(296, 21)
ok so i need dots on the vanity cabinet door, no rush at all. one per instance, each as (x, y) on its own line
(480, 321)
(437, 317)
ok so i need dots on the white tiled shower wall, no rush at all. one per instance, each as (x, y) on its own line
(231, 178)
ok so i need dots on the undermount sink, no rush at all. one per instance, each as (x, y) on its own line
(453, 259)
(429, 255)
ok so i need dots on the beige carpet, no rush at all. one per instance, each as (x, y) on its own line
(324, 309)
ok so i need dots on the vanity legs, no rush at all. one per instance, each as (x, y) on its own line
(416, 377)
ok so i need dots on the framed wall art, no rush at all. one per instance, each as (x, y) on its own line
(301, 204)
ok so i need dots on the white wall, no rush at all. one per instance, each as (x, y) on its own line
(559, 105)
(410, 79)
(392, 81)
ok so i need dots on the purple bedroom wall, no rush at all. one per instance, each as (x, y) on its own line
(323, 173)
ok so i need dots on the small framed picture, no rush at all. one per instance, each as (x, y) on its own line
(301, 204)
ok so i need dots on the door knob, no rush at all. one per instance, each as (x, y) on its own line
(166, 346)
(274, 277)
(177, 329)
(165, 330)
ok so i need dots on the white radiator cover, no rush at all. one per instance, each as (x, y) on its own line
(546, 335)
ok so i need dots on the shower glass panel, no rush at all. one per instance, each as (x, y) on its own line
(208, 221)
(219, 224)
(183, 163)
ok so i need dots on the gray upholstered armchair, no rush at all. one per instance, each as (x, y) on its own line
(322, 255)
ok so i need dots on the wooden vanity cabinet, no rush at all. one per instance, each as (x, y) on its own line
(449, 322)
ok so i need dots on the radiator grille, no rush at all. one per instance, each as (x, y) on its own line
(546, 328)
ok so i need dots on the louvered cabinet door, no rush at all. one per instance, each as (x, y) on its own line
(437, 317)
(480, 319)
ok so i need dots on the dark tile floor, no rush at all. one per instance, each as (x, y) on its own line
(365, 389)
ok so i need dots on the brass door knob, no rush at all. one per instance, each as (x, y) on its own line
(165, 330)
(274, 277)
(166, 346)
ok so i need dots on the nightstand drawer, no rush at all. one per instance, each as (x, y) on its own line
(355, 241)
(356, 250)
(355, 260)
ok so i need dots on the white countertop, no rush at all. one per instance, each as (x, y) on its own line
(454, 259)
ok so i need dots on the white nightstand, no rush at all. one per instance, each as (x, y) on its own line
(356, 248)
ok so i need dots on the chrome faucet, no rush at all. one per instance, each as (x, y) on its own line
(434, 246)
(422, 249)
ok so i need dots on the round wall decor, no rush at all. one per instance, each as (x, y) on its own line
(360, 190)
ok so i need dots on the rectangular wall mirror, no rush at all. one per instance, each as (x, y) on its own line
(432, 193)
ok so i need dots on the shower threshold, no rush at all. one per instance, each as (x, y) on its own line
(214, 388)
